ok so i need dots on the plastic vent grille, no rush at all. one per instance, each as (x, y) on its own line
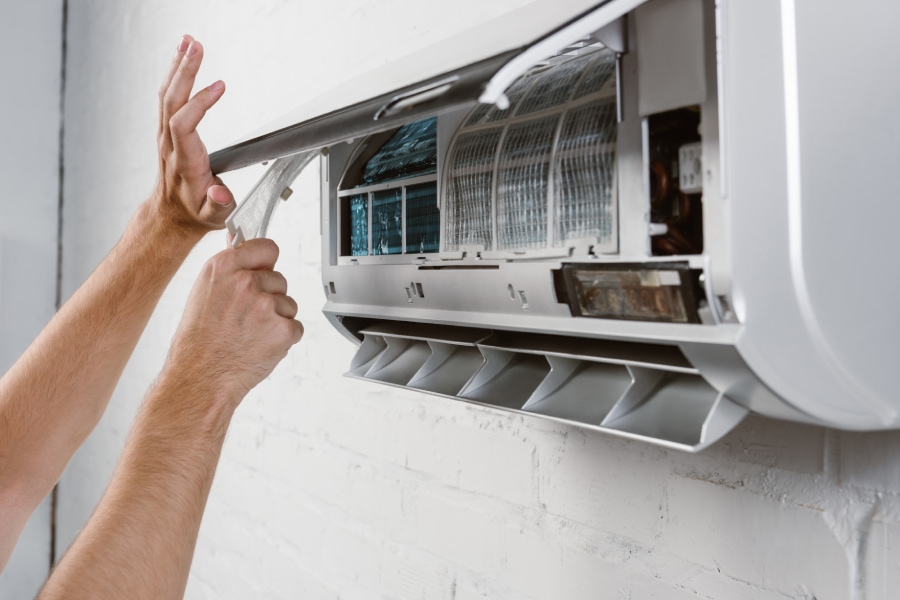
(640, 391)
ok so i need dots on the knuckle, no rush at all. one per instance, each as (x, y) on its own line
(210, 271)
(292, 306)
(270, 247)
(246, 281)
(280, 281)
(175, 124)
(219, 264)
(266, 304)
(213, 267)
(288, 331)
(264, 250)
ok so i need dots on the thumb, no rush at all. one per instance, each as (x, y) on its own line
(219, 204)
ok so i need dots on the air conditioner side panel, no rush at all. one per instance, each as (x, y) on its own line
(817, 319)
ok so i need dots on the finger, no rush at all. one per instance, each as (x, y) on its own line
(285, 306)
(257, 254)
(272, 282)
(183, 127)
(173, 67)
(184, 121)
(218, 205)
(182, 83)
(297, 331)
(219, 192)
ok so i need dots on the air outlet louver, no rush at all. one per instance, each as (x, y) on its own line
(649, 392)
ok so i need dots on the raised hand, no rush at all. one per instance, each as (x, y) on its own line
(187, 193)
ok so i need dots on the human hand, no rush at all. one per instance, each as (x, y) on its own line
(187, 192)
(238, 324)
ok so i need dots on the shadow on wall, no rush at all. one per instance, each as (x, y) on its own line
(781, 507)
(774, 444)
(866, 459)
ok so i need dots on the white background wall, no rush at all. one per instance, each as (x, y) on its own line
(332, 488)
(30, 34)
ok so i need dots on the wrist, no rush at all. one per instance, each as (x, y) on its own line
(164, 219)
(202, 402)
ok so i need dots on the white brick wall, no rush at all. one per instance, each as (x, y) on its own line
(333, 488)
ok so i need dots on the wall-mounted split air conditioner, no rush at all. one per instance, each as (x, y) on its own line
(642, 217)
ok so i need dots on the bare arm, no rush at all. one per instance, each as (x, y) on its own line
(140, 541)
(54, 395)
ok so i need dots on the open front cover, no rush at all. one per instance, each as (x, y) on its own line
(449, 74)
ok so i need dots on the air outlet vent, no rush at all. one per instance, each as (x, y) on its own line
(642, 391)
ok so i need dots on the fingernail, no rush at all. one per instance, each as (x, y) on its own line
(192, 49)
(217, 86)
(183, 44)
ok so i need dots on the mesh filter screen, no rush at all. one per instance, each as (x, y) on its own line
(468, 193)
(359, 225)
(584, 171)
(522, 184)
(478, 114)
(514, 93)
(554, 86)
(423, 220)
(502, 199)
(251, 218)
(387, 222)
(600, 72)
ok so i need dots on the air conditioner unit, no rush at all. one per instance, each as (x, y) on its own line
(647, 218)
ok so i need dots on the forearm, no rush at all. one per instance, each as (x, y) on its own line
(55, 394)
(57, 391)
(239, 323)
(52, 398)
(140, 541)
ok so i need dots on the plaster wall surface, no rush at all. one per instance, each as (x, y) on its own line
(333, 488)
(30, 52)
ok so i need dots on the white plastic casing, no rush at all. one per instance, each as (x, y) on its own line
(799, 125)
